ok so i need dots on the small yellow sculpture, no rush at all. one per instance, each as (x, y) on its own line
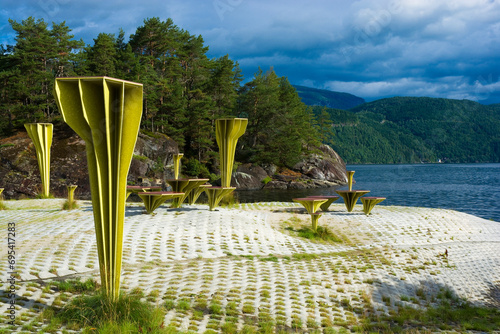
(185, 186)
(177, 160)
(2, 205)
(195, 193)
(70, 203)
(41, 135)
(350, 174)
(106, 113)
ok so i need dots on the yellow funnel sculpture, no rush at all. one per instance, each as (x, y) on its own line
(227, 131)
(177, 160)
(326, 205)
(350, 174)
(71, 193)
(106, 113)
(41, 135)
(1, 191)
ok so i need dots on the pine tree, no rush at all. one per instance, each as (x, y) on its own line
(39, 55)
(102, 57)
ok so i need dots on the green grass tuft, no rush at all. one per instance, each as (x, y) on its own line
(75, 286)
(321, 233)
(70, 206)
(41, 196)
(126, 315)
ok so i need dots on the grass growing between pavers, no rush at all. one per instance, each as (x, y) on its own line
(77, 306)
(245, 285)
(447, 313)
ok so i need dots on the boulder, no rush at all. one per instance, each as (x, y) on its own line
(245, 181)
(249, 176)
(328, 167)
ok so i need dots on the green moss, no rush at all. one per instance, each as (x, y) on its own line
(267, 180)
(139, 157)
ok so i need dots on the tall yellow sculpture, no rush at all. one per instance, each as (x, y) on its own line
(41, 135)
(227, 131)
(106, 113)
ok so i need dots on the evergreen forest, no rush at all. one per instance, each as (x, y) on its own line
(184, 89)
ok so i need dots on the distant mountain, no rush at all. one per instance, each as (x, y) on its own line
(417, 129)
(327, 98)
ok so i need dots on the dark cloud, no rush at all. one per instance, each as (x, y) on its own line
(369, 48)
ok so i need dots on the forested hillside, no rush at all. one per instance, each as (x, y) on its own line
(184, 90)
(327, 98)
(411, 129)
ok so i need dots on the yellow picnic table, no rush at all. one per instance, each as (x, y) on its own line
(351, 197)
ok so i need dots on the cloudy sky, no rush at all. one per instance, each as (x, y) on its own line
(369, 48)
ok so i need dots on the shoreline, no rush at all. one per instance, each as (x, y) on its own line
(250, 255)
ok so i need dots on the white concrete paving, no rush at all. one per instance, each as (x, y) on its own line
(244, 255)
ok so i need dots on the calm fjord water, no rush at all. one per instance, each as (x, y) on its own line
(470, 188)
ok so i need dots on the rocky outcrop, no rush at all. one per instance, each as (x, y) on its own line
(152, 159)
(20, 177)
(322, 169)
(326, 167)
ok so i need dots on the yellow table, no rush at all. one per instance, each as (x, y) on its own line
(153, 199)
(140, 189)
(370, 202)
(327, 204)
(184, 186)
(216, 194)
(351, 197)
(312, 205)
(195, 193)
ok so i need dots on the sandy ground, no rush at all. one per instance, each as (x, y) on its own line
(250, 260)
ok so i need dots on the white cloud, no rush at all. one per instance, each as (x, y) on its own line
(453, 87)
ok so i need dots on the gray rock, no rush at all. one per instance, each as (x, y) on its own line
(297, 185)
(276, 185)
(246, 181)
